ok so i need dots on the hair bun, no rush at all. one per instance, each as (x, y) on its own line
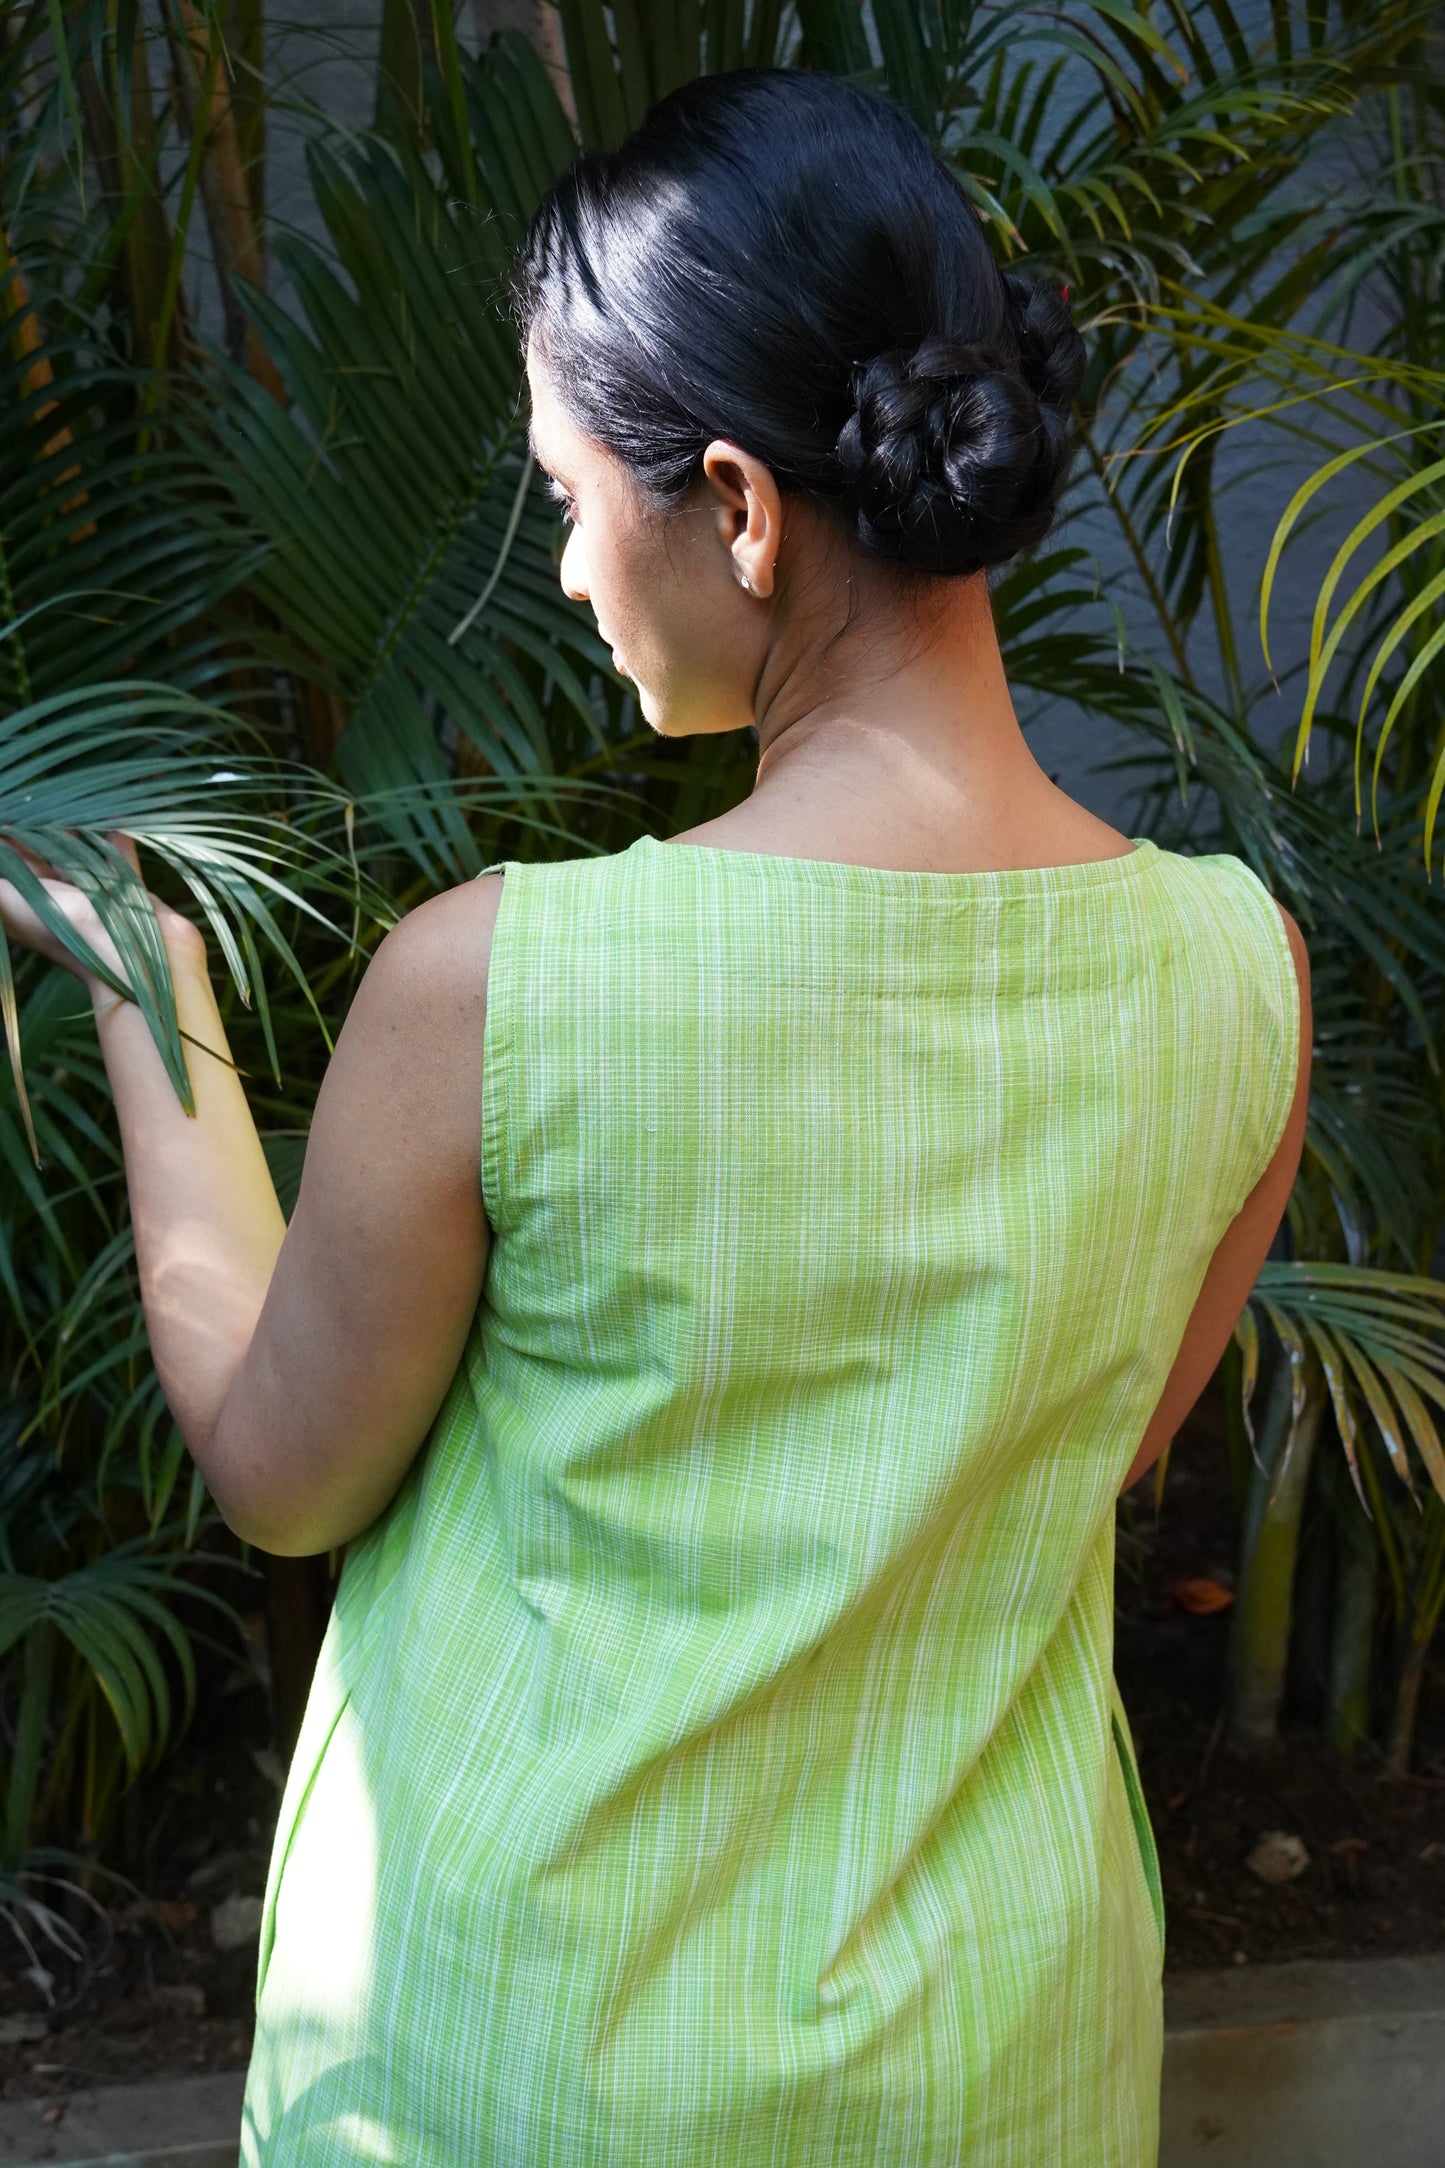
(955, 455)
(1052, 356)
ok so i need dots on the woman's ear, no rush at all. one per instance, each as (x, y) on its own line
(749, 511)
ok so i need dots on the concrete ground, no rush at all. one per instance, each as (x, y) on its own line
(1307, 2066)
(181, 2123)
(1270, 2066)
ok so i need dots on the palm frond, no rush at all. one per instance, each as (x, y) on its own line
(394, 490)
(1390, 409)
(114, 1611)
(1380, 1340)
(144, 760)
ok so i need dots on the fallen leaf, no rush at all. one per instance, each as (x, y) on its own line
(173, 1911)
(15, 2032)
(1200, 1595)
(236, 1921)
(184, 1999)
(1278, 1857)
(212, 1871)
(1349, 1846)
(271, 1766)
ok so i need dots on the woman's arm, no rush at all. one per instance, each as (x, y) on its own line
(378, 1279)
(208, 1228)
(304, 1366)
(1235, 1265)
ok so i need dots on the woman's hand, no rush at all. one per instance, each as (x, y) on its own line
(24, 924)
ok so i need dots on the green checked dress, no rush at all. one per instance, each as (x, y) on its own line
(714, 1760)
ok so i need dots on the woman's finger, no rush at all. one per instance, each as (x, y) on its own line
(33, 860)
(123, 845)
(126, 845)
(24, 925)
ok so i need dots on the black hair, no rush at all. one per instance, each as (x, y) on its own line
(780, 258)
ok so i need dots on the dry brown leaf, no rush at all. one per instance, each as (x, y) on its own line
(174, 1912)
(1200, 1595)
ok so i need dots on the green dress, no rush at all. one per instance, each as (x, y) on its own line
(714, 1759)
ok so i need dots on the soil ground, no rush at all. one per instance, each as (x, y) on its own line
(157, 1999)
(1375, 1882)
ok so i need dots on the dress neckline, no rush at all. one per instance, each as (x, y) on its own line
(1003, 881)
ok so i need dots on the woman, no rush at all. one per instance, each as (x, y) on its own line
(714, 1758)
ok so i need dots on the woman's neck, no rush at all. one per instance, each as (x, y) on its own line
(904, 748)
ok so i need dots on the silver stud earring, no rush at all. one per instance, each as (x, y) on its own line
(748, 587)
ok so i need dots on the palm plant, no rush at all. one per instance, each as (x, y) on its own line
(95, 1566)
(113, 632)
(1371, 1192)
(79, 1594)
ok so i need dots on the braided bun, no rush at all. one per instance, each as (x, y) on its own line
(955, 455)
(1052, 357)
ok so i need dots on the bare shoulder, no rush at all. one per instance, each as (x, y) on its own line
(440, 952)
(420, 1009)
(457, 921)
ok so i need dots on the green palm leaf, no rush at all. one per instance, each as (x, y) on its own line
(1380, 1340)
(1240, 355)
(144, 759)
(406, 394)
(112, 1611)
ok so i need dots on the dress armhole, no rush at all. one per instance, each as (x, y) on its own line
(496, 1050)
(1275, 1073)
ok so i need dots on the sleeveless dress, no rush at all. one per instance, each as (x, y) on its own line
(714, 1759)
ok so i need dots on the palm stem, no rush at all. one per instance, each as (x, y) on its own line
(1223, 623)
(1259, 1643)
(1425, 1610)
(37, 1667)
(1134, 543)
(1347, 1718)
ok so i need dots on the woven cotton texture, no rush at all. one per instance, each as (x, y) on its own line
(714, 1760)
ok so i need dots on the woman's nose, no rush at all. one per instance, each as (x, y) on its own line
(573, 569)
